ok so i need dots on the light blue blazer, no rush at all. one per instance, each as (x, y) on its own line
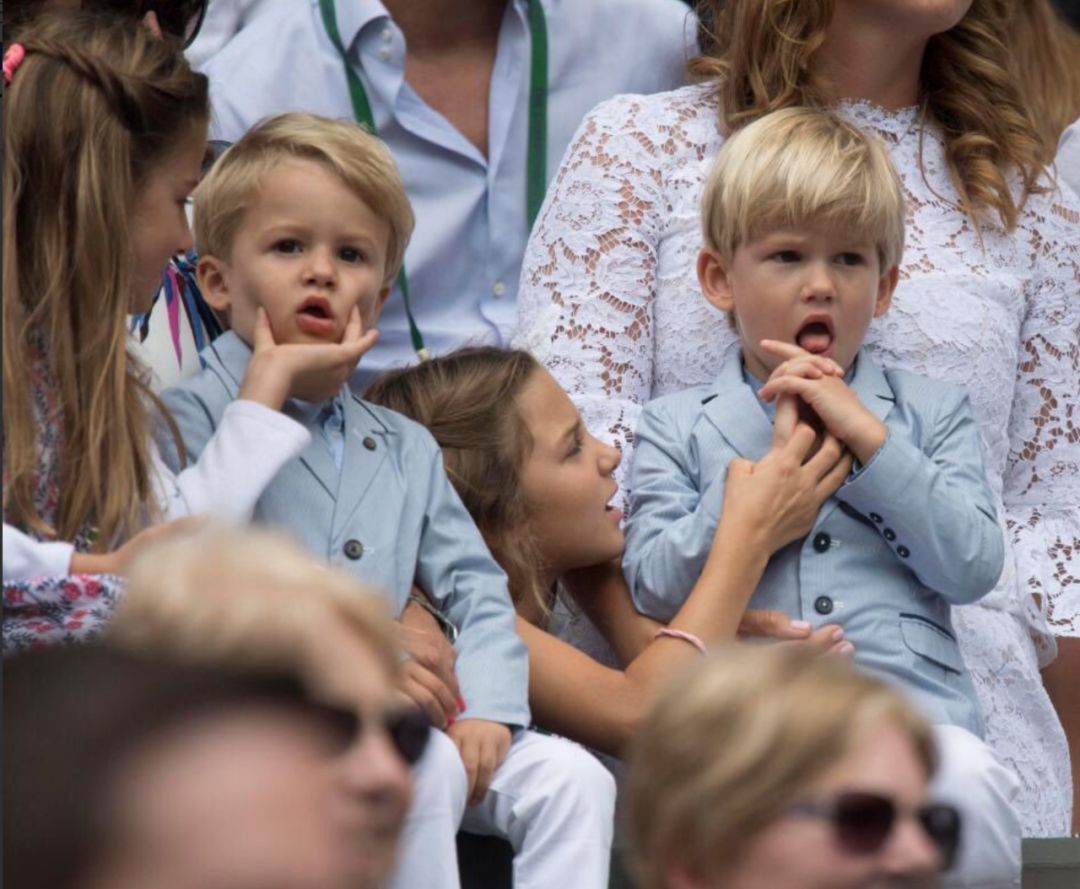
(907, 535)
(389, 517)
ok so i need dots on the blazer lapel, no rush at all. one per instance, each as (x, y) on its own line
(733, 408)
(367, 445)
(873, 389)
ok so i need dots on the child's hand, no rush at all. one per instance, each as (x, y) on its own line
(120, 559)
(828, 396)
(483, 746)
(428, 692)
(311, 371)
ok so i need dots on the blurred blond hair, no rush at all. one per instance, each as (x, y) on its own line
(735, 739)
(250, 599)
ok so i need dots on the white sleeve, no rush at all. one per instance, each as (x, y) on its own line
(250, 446)
(25, 558)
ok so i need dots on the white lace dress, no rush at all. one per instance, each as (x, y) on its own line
(609, 302)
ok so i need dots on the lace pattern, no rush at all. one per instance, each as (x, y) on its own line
(609, 303)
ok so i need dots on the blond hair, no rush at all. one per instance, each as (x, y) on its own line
(803, 168)
(91, 112)
(735, 740)
(1046, 53)
(359, 159)
(250, 599)
(761, 53)
(468, 401)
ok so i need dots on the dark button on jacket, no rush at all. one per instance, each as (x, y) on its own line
(822, 541)
(823, 605)
(353, 549)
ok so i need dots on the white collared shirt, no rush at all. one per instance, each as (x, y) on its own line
(464, 259)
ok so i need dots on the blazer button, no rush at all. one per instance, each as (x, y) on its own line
(903, 552)
(369, 443)
(889, 534)
(354, 549)
(823, 605)
(875, 518)
(822, 542)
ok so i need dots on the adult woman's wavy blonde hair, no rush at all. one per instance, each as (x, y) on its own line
(93, 109)
(733, 743)
(762, 55)
(1045, 50)
(468, 401)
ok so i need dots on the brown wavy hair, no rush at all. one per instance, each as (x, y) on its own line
(94, 108)
(761, 54)
(468, 401)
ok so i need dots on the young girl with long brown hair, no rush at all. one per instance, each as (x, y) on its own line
(541, 490)
(104, 136)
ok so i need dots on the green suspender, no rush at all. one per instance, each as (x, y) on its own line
(535, 160)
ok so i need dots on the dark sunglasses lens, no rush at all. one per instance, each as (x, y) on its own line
(863, 821)
(409, 731)
(942, 825)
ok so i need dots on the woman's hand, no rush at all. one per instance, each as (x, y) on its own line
(777, 498)
(422, 637)
(769, 625)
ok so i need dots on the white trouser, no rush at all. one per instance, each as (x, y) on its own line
(550, 798)
(970, 777)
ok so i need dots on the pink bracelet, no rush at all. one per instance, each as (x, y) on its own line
(686, 637)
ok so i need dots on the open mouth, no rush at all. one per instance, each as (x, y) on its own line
(315, 316)
(611, 509)
(816, 335)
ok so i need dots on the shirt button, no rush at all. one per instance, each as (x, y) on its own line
(384, 53)
(903, 552)
(822, 542)
(823, 605)
(369, 443)
(499, 289)
(354, 549)
(875, 518)
(889, 534)
(387, 34)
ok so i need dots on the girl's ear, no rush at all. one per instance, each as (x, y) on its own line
(213, 275)
(886, 286)
(714, 279)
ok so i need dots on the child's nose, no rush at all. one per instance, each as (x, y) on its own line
(610, 458)
(819, 284)
(320, 266)
(185, 243)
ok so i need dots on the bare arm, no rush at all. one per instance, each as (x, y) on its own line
(766, 505)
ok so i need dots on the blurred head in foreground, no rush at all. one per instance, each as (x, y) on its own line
(122, 772)
(772, 767)
(254, 600)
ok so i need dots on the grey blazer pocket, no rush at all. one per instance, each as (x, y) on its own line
(926, 640)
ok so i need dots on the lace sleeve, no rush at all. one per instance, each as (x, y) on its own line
(585, 305)
(1042, 484)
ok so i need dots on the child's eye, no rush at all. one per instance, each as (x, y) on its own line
(850, 258)
(576, 446)
(287, 246)
(351, 254)
(786, 256)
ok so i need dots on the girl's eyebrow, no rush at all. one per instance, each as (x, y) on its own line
(572, 431)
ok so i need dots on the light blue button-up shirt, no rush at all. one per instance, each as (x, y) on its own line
(464, 259)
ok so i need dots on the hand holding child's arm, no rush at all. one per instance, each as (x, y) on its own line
(483, 746)
(311, 371)
(828, 396)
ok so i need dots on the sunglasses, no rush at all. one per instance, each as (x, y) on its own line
(408, 729)
(864, 821)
